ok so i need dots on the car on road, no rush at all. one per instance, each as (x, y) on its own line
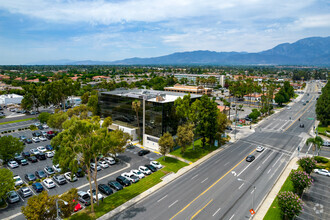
(250, 158)
(59, 179)
(42, 138)
(105, 189)
(123, 181)
(26, 154)
(37, 187)
(40, 174)
(97, 167)
(151, 167)
(99, 195)
(323, 172)
(109, 160)
(42, 149)
(138, 173)
(70, 177)
(144, 170)
(28, 141)
(302, 125)
(12, 197)
(57, 168)
(260, 149)
(25, 191)
(115, 185)
(24, 162)
(41, 156)
(18, 180)
(84, 198)
(143, 152)
(103, 164)
(156, 164)
(30, 177)
(49, 154)
(49, 170)
(35, 139)
(288, 107)
(33, 159)
(131, 177)
(34, 151)
(49, 183)
(12, 164)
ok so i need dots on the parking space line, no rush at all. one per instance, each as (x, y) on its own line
(44, 186)
(20, 196)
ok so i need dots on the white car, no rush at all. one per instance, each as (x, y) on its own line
(323, 172)
(57, 168)
(67, 176)
(12, 164)
(144, 170)
(42, 138)
(34, 151)
(131, 177)
(44, 133)
(45, 126)
(97, 167)
(35, 139)
(41, 149)
(138, 173)
(18, 180)
(260, 149)
(37, 124)
(49, 183)
(99, 195)
(49, 154)
(109, 160)
(102, 164)
(288, 107)
(156, 164)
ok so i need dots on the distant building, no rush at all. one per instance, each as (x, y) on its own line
(193, 77)
(199, 90)
(222, 81)
(10, 99)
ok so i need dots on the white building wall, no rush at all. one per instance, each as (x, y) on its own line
(151, 142)
(10, 99)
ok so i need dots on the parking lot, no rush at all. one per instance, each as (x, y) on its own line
(127, 161)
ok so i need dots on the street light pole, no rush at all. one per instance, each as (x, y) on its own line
(57, 209)
(254, 191)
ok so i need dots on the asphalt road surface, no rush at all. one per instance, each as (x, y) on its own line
(212, 190)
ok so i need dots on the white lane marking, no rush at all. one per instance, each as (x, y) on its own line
(173, 203)
(269, 171)
(194, 176)
(20, 196)
(226, 163)
(13, 216)
(250, 164)
(277, 160)
(204, 180)
(275, 171)
(162, 198)
(232, 217)
(216, 212)
(241, 186)
(267, 157)
(252, 191)
(258, 168)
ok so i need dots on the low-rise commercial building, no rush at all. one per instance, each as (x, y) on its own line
(10, 99)
(200, 90)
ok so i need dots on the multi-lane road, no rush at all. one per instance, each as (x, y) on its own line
(226, 186)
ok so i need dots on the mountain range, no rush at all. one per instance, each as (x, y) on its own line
(307, 51)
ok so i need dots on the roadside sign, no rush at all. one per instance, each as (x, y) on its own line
(310, 118)
(240, 125)
(252, 212)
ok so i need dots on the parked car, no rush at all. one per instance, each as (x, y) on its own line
(138, 173)
(22, 138)
(45, 126)
(93, 194)
(49, 170)
(26, 154)
(323, 172)
(84, 198)
(12, 164)
(109, 160)
(49, 183)
(44, 133)
(42, 138)
(123, 181)
(37, 187)
(70, 177)
(25, 191)
(156, 164)
(49, 154)
(102, 164)
(143, 152)
(151, 167)
(77, 207)
(97, 167)
(40, 174)
(229, 128)
(12, 197)
(18, 180)
(18, 158)
(24, 162)
(115, 185)
(30, 177)
(42, 149)
(250, 158)
(131, 177)
(28, 140)
(41, 156)
(49, 147)
(34, 151)
(260, 149)
(59, 179)
(35, 139)
(57, 168)
(33, 159)
(105, 189)
(80, 172)
(40, 127)
(144, 170)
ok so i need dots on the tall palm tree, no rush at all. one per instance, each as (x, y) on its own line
(316, 142)
(136, 105)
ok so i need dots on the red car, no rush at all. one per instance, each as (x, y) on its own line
(50, 132)
(77, 207)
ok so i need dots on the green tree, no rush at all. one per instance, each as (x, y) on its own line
(290, 204)
(43, 117)
(107, 122)
(317, 142)
(166, 143)
(7, 182)
(279, 99)
(307, 163)
(9, 146)
(300, 180)
(84, 98)
(254, 114)
(56, 120)
(71, 197)
(136, 106)
(185, 136)
(222, 123)
(93, 104)
(323, 106)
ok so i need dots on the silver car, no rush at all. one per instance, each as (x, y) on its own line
(13, 197)
(25, 191)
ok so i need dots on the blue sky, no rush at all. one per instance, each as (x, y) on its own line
(107, 30)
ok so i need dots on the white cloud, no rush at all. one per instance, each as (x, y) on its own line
(317, 21)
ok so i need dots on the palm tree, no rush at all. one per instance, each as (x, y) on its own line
(316, 142)
(136, 105)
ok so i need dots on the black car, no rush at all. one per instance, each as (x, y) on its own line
(123, 181)
(250, 158)
(30, 177)
(59, 179)
(18, 159)
(37, 187)
(143, 152)
(22, 138)
(36, 134)
(40, 174)
(41, 156)
(40, 127)
(151, 167)
(26, 154)
(28, 140)
(302, 125)
(24, 162)
(130, 146)
(50, 136)
(33, 159)
(115, 185)
(80, 173)
(49, 147)
(229, 128)
(105, 189)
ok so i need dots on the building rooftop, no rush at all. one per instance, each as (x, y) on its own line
(150, 95)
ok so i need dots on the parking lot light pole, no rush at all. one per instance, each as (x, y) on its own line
(58, 210)
(254, 191)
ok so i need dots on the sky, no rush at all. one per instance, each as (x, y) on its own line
(108, 30)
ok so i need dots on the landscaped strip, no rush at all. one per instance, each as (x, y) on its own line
(122, 196)
(9, 122)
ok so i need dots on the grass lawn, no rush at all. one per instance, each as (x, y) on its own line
(120, 197)
(194, 155)
(8, 122)
(274, 211)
